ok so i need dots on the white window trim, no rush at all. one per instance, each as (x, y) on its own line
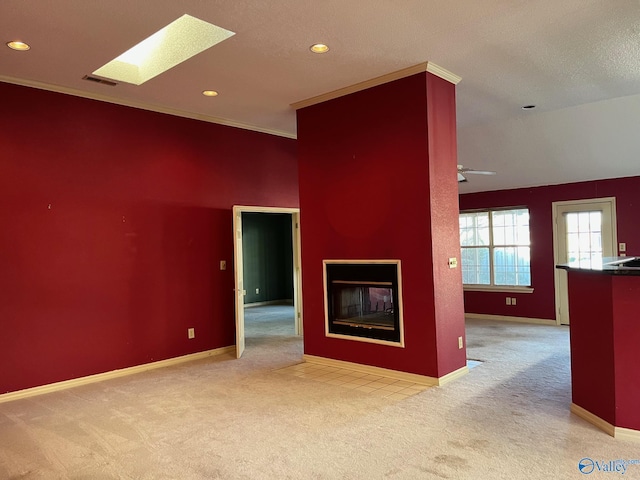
(470, 287)
(496, 288)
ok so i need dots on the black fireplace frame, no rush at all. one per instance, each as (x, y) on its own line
(365, 273)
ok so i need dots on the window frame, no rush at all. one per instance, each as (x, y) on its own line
(492, 287)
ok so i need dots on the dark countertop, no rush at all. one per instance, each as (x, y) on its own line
(610, 266)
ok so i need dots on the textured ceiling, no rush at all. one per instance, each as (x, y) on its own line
(577, 60)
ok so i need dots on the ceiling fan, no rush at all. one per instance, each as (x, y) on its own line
(464, 170)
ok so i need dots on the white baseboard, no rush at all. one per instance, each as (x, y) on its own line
(593, 419)
(506, 318)
(287, 302)
(616, 432)
(627, 434)
(99, 377)
(451, 376)
(385, 372)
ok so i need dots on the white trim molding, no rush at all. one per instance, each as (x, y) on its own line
(265, 209)
(374, 82)
(451, 376)
(616, 432)
(438, 71)
(385, 372)
(593, 419)
(356, 338)
(123, 372)
(144, 106)
(493, 288)
(627, 434)
(506, 318)
(558, 208)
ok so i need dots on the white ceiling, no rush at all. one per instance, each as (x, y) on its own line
(577, 60)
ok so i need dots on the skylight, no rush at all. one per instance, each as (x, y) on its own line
(180, 40)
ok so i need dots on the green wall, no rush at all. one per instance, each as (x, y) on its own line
(268, 256)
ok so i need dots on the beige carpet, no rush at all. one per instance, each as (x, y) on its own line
(241, 419)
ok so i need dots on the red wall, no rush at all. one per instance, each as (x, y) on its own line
(541, 303)
(114, 221)
(365, 193)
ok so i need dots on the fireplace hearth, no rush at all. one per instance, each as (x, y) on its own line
(363, 300)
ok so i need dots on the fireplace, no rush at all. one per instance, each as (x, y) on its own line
(363, 301)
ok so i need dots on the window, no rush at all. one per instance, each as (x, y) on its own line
(495, 248)
(584, 238)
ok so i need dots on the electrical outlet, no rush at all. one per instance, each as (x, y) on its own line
(257, 291)
(622, 247)
(191, 333)
(508, 301)
(459, 342)
(513, 300)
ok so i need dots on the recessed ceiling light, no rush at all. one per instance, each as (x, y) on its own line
(17, 45)
(528, 107)
(319, 48)
(180, 40)
(210, 93)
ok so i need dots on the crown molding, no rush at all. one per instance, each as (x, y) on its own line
(438, 71)
(144, 106)
(374, 82)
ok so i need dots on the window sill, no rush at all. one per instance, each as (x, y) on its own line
(494, 288)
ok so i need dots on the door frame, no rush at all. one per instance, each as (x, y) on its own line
(238, 210)
(581, 205)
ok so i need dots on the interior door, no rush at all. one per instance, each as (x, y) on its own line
(585, 233)
(239, 287)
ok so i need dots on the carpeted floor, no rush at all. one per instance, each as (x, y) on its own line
(241, 419)
(268, 322)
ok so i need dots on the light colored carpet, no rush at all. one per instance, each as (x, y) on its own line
(241, 419)
(268, 322)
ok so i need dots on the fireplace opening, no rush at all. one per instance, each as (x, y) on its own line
(363, 301)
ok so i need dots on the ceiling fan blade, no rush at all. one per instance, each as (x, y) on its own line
(463, 169)
(479, 172)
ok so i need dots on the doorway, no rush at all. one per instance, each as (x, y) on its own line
(241, 284)
(584, 232)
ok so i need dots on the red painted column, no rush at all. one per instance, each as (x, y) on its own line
(605, 335)
(626, 354)
(592, 373)
(377, 176)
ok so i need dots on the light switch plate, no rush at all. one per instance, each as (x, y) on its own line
(223, 265)
(453, 262)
